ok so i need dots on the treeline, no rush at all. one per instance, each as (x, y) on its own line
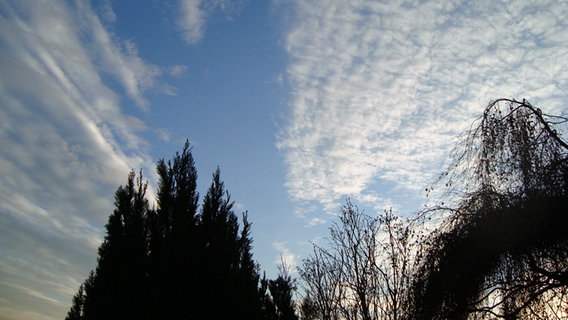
(492, 245)
(179, 260)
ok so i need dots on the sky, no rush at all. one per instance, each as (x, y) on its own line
(301, 103)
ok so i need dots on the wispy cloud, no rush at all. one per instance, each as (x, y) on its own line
(194, 15)
(192, 20)
(286, 259)
(66, 145)
(177, 70)
(380, 90)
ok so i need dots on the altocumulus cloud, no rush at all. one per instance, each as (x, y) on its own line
(66, 145)
(380, 89)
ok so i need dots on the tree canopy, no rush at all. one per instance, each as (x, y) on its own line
(502, 248)
(499, 248)
(178, 260)
(495, 245)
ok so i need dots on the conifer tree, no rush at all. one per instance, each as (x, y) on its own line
(268, 308)
(282, 290)
(76, 311)
(116, 289)
(219, 251)
(247, 276)
(173, 236)
(175, 261)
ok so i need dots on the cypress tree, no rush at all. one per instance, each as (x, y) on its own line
(173, 262)
(173, 237)
(219, 251)
(281, 291)
(248, 275)
(76, 311)
(116, 289)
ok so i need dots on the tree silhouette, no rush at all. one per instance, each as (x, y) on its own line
(502, 248)
(115, 289)
(249, 298)
(282, 290)
(363, 272)
(396, 263)
(76, 311)
(178, 260)
(220, 252)
(308, 309)
(172, 236)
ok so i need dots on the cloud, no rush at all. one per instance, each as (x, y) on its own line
(106, 12)
(192, 21)
(177, 70)
(194, 16)
(380, 90)
(316, 221)
(66, 143)
(286, 257)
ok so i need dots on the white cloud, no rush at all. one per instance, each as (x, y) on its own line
(177, 70)
(66, 146)
(379, 91)
(195, 14)
(316, 221)
(192, 21)
(286, 257)
(107, 12)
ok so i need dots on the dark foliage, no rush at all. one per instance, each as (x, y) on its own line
(281, 290)
(308, 309)
(76, 311)
(122, 259)
(176, 261)
(498, 248)
(502, 250)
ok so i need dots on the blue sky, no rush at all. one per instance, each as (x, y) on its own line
(300, 103)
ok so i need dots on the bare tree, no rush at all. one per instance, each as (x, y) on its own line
(363, 271)
(322, 283)
(397, 258)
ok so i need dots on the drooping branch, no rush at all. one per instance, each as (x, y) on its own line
(511, 177)
(540, 116)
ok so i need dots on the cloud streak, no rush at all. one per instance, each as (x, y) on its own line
(380, 90)
(66, 145)
(195, 15)
(192, 21)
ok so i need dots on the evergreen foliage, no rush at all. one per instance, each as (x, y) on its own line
(176, 261)
(76, 311)
(281, 290)
(122, 259)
